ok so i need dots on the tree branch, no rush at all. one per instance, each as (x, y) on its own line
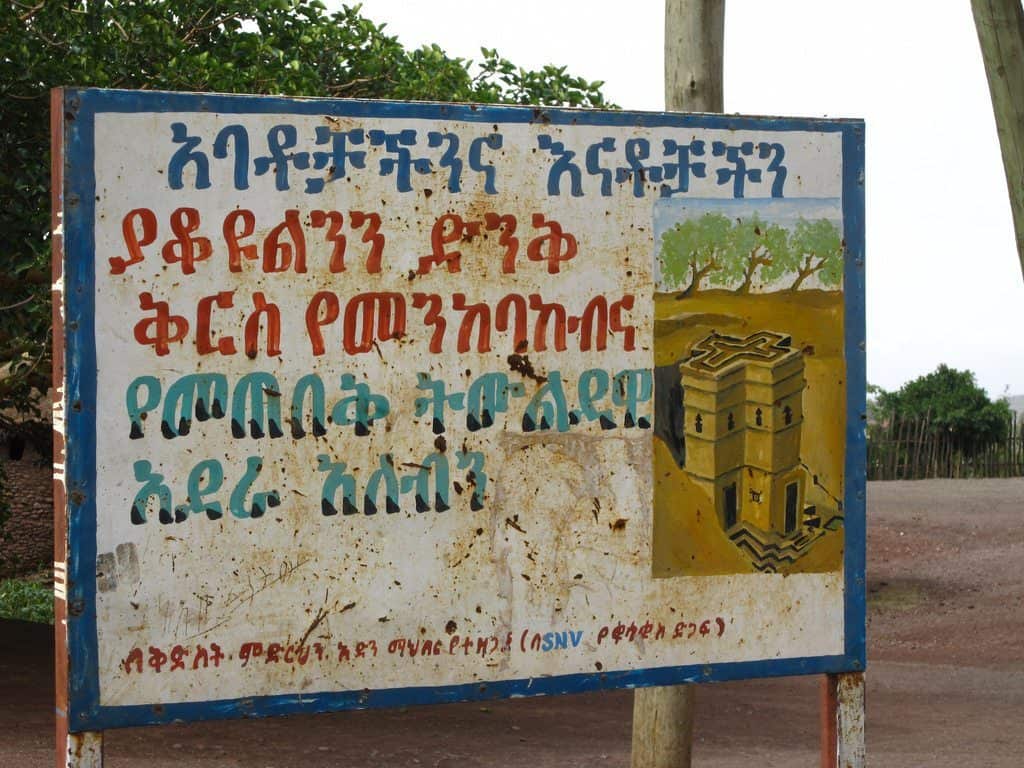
(17, 304)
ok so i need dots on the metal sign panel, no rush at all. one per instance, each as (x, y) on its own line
(374, 404)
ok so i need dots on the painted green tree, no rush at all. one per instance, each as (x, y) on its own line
(755, 246)
(695, 250)
(234, 46)
(815, 248)
(747, 254)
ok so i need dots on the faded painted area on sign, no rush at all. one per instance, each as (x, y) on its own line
(749, 333)
(388, 402)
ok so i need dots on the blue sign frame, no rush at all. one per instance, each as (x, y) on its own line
(77, 203)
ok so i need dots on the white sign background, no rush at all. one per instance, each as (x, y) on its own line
(548, 553)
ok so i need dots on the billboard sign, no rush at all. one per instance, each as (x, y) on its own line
(372, 403)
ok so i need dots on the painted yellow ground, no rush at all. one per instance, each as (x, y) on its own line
(687, 537)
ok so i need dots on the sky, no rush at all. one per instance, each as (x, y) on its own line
(944, 284)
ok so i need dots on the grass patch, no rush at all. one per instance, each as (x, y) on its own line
(26, 601)
(898, 596)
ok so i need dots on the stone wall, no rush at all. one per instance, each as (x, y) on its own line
(26, 537)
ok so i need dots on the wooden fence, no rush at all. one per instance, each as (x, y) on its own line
(908, 449)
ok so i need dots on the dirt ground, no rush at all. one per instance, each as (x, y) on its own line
(945, 677)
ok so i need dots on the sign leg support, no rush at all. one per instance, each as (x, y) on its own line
(81, 750)
(78, 750)
(663, 727)
(842, 721)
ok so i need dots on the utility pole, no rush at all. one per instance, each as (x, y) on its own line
(694, 41)
(1000, 25)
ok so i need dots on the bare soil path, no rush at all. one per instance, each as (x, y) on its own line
(945, 677)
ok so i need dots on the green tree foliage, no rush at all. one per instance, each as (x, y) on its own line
(952, 402)
(235, 46)
(694, 249)
(743, 254)
(754, 245)
(815, 247)
(26, 601)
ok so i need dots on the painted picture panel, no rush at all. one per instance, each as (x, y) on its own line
(374, 403)
(750, 361)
